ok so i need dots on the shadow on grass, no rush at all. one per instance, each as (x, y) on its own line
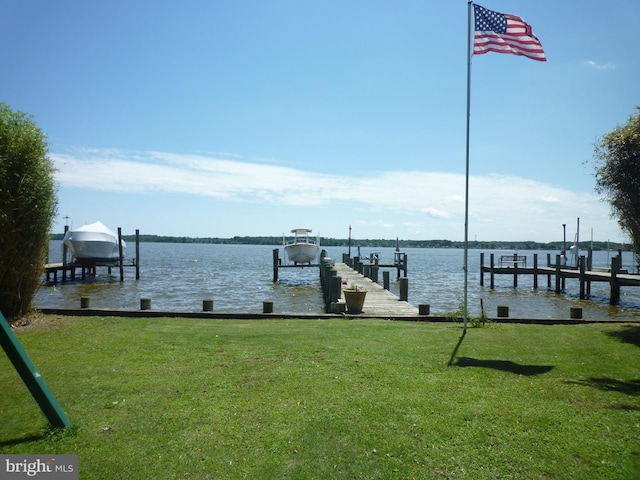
(629, 334)
(18, 441)
(505, 366)
(628, 387)
(455, 350)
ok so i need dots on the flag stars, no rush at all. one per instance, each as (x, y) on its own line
(488, 20)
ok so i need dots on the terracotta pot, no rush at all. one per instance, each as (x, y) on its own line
(354, 300)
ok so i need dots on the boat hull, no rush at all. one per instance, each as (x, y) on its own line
(97, 244)
(301, 252)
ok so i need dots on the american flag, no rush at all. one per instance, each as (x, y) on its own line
(504, 33)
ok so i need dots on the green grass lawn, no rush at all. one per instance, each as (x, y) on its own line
(271, 399)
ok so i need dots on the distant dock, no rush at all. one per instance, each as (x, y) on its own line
(63, 271)
(515, 265)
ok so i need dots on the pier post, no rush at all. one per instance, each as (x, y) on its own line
(558, 274)
(85, 301)
(535, 271)
(336, 291)
(404, 264)
(325, 278)
(582, 264)
(374, 273)
(334, 286)
(385, 279)
(330, 294)
(137, 254)
(482, 269)
(589, 268)
(267, 306)
(120, 254)
(515, 270)
(276, 262)
(492, 273)
(207, 305)
(548, 274)
(65, 251)
(614, 296)
(404, 289)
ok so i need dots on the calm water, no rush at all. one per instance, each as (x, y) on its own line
(239, 277)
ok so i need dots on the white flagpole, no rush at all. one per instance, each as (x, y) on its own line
(466, 191)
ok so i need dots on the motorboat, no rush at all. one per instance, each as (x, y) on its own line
(93, 243)
(301, 248)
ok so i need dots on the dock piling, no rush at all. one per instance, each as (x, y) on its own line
(120, 254)
(137, 254)
(85, 302)
(267, 306)
(404, 289)
(207, 305)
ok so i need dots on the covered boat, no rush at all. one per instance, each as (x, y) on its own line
(93, 242)
(301, 248)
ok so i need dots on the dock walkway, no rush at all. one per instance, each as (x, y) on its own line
(379, 302)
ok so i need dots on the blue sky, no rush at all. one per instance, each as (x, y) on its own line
(253, 117)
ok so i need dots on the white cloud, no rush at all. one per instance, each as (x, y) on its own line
(435, 213)
(497, 203)
(600, 66)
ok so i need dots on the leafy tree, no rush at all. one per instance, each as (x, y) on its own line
(28, 205)
(617, 173)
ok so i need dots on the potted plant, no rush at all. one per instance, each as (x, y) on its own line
(354, 296)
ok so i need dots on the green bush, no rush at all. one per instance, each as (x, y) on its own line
(27, 207)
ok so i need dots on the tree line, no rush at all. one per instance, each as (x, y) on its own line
(374, 243)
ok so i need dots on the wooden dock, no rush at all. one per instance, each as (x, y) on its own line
(61, 272)
(584, 273)
(379, 301)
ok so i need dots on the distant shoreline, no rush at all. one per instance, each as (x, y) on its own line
(378, 243)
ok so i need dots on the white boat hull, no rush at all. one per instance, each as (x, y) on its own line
(93, 242)
(301, 252)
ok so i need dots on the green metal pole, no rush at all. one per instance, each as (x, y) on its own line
(31, 378)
